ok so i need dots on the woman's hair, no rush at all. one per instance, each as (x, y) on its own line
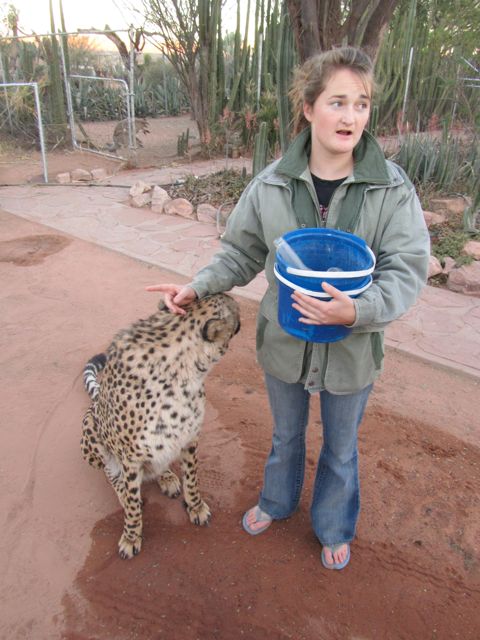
(311, 78)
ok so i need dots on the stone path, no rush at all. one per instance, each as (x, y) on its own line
(443, 327)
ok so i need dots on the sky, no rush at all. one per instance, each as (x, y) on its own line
(85, 14)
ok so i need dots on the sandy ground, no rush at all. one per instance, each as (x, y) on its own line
(414, 573)
(19, 166)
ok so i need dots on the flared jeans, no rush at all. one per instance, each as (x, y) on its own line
(336, 495)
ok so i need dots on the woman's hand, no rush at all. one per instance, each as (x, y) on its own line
(339, 310)
(175, 296)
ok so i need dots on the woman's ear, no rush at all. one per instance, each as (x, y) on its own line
(307, 111)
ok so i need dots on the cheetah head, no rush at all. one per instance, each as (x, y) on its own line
(223, 320)
(218, 318)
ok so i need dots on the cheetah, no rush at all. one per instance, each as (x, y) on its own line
(148, 406)
(121, 135)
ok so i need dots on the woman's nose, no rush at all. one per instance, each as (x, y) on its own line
(347, 115)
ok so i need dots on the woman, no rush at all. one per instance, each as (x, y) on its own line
(333, 175)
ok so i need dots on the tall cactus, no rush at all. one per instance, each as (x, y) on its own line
(260, 152)
(240, 60)
(220, 71)
(58, 112)
(64, 37)
(285, 57)
(209, 19)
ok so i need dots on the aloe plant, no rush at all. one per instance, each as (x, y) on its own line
(446, 164)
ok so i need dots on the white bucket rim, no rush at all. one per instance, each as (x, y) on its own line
(306, 273)
(318, 294)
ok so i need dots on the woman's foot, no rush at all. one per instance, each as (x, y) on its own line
(256, 521)
(336, 556)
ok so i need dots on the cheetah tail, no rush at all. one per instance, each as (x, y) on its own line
(93, 367)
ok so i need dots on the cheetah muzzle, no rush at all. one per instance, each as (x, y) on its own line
(149, 404)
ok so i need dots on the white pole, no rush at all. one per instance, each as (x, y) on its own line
(68, 93)
(131, 96)
(40, 131)
(407, 85)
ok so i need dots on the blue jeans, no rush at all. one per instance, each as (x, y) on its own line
(336, 495)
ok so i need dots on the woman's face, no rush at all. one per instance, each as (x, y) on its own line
(339, 114)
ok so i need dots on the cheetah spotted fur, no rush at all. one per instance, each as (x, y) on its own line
(148, 406)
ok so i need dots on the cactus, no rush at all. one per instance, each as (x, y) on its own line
(240, 62)
(261, 150)
(183, 143)
(372, 126)
(58, 112)
(284, 70)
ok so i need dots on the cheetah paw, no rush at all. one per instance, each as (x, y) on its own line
(128, 549)
(200, 514)
(169, 484)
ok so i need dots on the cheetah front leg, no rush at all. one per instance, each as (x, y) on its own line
(169, 484)
(198, 510)
(129, 494)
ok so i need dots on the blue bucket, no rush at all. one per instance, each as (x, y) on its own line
(339, 258)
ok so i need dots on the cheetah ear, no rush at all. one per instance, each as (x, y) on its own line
(213, 329)
(162, 306)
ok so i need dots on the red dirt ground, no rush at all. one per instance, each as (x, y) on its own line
(414, 573)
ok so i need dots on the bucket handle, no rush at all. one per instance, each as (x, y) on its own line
(318, 294)
(338, 274)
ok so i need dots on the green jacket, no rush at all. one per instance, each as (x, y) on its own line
(377, 203)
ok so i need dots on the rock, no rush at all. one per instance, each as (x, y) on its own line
(63, 178)
(433, 218)
(81, 175)
(180, 207)
(99, 174)
(449, 205)
(466, 279)
(448, 264)
(472, 248)
(139, 187)
(434, 267)
(207, 213)
(159, 199)
(141, 200)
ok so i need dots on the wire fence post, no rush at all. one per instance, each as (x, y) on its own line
(68, 93)
(4, 79)
(38, 109)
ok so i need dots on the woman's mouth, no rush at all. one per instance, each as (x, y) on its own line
(344, 132)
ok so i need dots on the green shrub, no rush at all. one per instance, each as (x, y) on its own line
(451, 245)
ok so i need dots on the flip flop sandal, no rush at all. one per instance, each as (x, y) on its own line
(335, 565)
(260, 517)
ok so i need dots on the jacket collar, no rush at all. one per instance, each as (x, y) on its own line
(369, 161)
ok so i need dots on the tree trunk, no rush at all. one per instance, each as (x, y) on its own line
(319, 25)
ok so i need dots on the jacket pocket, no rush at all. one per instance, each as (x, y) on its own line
(269, 305)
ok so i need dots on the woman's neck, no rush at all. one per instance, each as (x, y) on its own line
(333, 168)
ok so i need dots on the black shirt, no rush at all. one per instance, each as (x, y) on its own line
(325, 189)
